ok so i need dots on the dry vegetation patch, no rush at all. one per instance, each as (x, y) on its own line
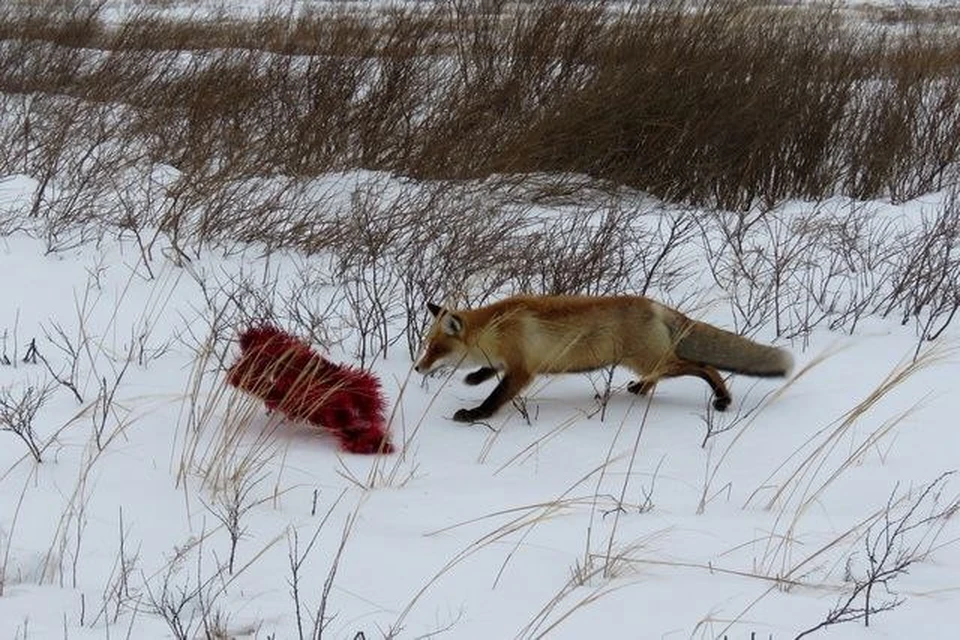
(212, 131)
(724, 103)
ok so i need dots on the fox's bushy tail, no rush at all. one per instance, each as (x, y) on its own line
(727, 351)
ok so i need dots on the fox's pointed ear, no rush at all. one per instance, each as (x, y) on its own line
(451, 324)
(435, 309)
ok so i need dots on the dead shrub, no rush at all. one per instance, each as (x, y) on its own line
(726, 104)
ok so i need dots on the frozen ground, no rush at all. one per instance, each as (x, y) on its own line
(158, 502)
(569, 526)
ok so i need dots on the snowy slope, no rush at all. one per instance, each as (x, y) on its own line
(570, 525)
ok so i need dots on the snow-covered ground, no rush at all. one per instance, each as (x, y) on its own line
(571, 526)
(160, 502)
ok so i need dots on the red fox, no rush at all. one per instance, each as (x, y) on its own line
(523, 336)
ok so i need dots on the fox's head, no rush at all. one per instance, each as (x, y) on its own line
(446, 344)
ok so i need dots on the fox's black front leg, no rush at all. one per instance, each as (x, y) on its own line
(508, 387)
(480, 375)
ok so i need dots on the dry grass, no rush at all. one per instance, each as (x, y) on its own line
(725, 103)
(730, 104)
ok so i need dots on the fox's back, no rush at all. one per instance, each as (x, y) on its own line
(577, 333)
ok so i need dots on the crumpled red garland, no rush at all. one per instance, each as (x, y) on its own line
(290, 377)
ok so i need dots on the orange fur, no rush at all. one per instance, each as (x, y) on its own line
(523, 336)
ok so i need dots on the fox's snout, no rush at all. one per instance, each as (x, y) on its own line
(436, 355)
(427, 363)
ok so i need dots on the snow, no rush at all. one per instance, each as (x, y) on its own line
(569, 526)
(477, 530)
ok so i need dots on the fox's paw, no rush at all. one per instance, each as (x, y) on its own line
(640, 387)
(470, 415)
(720, 403)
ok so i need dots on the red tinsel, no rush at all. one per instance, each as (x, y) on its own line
(290, 377)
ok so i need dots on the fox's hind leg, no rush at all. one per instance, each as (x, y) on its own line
(647, 376)
(721, 396)
(644, 382)
(642, 386)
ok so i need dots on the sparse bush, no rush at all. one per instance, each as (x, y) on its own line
(722, 103)
(905, 533)
(18, 410)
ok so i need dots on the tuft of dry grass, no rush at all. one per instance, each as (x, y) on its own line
(728, 103)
